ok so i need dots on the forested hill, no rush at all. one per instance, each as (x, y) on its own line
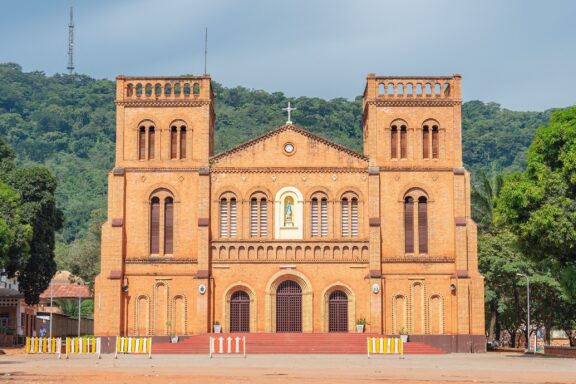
(66, 122)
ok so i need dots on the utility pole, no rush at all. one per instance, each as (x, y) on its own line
(528, 310)
(70, 66)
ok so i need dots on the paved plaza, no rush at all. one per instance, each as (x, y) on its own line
(300, 369)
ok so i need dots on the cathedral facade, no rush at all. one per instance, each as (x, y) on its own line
(290, 232)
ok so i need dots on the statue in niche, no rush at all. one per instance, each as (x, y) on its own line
(288, 211)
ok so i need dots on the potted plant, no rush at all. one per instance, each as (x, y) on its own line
(173, 337)
(404, 334)
(360, 323)
(217, 327)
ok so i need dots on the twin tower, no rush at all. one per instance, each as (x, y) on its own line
(290, 232)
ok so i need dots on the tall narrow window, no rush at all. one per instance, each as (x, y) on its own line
(314, 207)
(422, 225)
(173, 143)
(435, 144)
(263, 217)
(169, 226)
(254, 217)
(183, 142)
(151, 141)
(223, 217)
(425, 142)
(232, 217)
(354, 217)
(142, 143)
(155, 226)
(324, 217)
(394, 142)
(403, 142)
(345, 218)
(409, 225)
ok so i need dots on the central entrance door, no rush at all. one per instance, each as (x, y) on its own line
(338, 312)
(289, 307)
(240, 312)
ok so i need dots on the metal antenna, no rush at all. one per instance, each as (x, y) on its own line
(205, 49)
(70, 66)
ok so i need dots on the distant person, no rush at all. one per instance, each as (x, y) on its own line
(43, 330)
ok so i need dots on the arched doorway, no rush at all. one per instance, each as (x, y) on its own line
(240, 312)
(289, 307)
(338, 312)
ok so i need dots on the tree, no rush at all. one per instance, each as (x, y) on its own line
(484, 195)
(539, 204)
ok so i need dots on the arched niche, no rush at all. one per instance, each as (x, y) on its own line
(289, 214)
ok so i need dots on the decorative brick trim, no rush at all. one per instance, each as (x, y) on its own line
(418, 259)
(115, 275)
(202, 274)
(204, 171)
(117, 222)
(373, 171)
(161, 260)
(374, 221)
(163, 103)
(414, 103)
(459, 171)
(460, 221)
(147, 170)
(288, 170)
(203, 222)
(118, 171)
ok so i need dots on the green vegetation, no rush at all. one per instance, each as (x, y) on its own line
(69, 307)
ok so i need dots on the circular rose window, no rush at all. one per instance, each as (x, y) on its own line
(288, 148)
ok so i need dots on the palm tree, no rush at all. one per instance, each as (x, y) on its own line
(484, 195)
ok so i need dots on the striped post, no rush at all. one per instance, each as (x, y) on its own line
(228, 345)
(133, 345)
(385, 346)
(83, 345)
(49, 345)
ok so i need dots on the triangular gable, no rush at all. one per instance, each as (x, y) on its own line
(310, 150)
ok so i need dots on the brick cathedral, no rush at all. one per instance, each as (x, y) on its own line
(290, 232)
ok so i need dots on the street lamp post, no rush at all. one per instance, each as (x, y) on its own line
(528, 309)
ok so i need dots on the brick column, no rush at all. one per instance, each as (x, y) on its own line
(375, 257)
(203, 251)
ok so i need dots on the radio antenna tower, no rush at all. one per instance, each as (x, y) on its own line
(70, 66)
(205, 50)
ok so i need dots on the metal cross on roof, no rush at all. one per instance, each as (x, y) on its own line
(289, 109)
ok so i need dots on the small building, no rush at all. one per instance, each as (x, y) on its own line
(17, 319)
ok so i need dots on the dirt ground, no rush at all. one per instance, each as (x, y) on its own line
(301, 369)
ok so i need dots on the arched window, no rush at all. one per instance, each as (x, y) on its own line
(228, 215)
(319, 216)
(173, 142)
(161, 223)
(403, 142)
(129, 90)
(186, 89)
(409, 225)
(167, 89)
(155, 226)
(394, 142)
(148, 90)
(142, 143)
(138, 89)
(416, 222)
(151, 142)
(422, 225)
(158, 89)
(177, 89)
(425, 142)
(435, 143)
(183, 142)
(168, 225)
(259, 215)
(196, 88)
(349, 213)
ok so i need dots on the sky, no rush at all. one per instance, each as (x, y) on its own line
(519, 53)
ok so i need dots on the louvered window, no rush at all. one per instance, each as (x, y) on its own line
(232, 217)
(155, 226)
(314, 217)
(223, 218)
(425, 142)
(354, 218)
(403, 142)
(345, 218)
(263, 217)
(254, 217)
(409, 225)
(151, 141)
(394, 142)
(173, 143)
(435, 143)
(324, 217)
(182, 142)
(168, 226)
(142, 143)
(422, 225)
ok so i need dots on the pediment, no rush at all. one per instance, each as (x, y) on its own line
(273, 150)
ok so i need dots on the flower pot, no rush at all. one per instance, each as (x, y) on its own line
(360, 328)
(217, 328)
(404, 338)
(173, 339)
